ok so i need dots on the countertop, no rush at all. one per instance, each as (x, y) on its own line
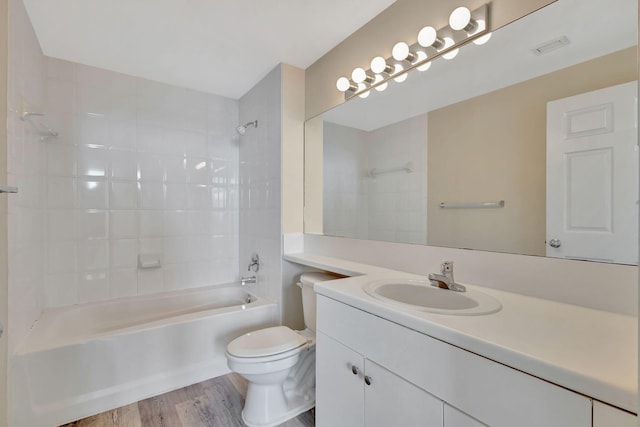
(589, 351)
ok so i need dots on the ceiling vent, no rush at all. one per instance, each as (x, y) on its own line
(550, 45)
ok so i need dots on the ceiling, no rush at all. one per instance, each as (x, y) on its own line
(217, 46)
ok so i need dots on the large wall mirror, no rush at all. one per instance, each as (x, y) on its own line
(526, 144)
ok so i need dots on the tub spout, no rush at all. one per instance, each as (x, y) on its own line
(245, 280)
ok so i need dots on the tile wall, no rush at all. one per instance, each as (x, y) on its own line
(26, 169)
(139, 168)
(260, 183)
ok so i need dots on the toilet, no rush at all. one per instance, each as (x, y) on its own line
(279, 364)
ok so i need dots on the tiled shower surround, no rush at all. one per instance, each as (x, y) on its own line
(139, 168)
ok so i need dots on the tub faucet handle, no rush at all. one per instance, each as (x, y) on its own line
(254, 265)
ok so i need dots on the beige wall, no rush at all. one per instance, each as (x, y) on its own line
(4, 25)
(313, 176)
(500, 154)
(292, 149)
(400, 21)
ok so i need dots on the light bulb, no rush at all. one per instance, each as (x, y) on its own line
(398, 69)
(381, 87)
(421, 56)
(343, 84)
(358, 75)
(362, 86)
(401, 51)
(428, 36)
(460, 19)
(379, 65)
(483, 39)
(448, 42)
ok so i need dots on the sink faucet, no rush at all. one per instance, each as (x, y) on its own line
(445, 280)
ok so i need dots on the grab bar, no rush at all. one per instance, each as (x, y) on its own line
(498, 204)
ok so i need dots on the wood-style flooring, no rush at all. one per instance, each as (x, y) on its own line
(214, 403)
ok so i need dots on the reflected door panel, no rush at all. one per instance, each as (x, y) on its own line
(592, 176)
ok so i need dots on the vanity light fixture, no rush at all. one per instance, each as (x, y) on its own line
(359, 75)
(421, 57)
(344, 84)
(399, 73)
(401, 52)
(452, 53)
(379, 65)
(381, 86)
(460, 19)
(464, 26)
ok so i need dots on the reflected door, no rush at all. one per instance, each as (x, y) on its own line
(592, 176)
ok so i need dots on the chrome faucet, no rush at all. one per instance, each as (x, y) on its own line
(245, 280)
(445, 279)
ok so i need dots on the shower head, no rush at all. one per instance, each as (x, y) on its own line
(243, 128)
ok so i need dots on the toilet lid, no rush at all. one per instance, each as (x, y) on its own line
(265, 342)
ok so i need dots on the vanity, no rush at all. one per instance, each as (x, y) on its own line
(533, 362)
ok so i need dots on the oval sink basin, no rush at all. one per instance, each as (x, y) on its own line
(420, 295)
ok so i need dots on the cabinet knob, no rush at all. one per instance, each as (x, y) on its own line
(367, 380)
(355, 370)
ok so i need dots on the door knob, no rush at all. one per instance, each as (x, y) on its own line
(555, 243)
(367, 380)
(355, 370)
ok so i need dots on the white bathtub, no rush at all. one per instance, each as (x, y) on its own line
(85, 359)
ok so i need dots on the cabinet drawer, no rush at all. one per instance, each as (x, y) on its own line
(490, 392)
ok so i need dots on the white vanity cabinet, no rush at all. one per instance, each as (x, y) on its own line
(354, 391)
(417, 371)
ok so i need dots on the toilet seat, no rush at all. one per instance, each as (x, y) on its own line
(266, 343)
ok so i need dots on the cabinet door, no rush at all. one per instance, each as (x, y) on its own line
(455, 418)
(608, 416)
(392, 401)
(339, 392)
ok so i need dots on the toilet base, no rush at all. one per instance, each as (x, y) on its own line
(296, 407)
(274, 403)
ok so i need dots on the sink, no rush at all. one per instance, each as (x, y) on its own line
(420, 295)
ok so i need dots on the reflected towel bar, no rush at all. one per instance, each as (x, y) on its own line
(498, 204)
(407, 167)
(7, 189)
(42, 129)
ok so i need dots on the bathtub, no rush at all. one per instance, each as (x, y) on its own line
(81, 360)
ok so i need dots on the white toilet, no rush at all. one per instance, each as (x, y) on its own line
(279, 364)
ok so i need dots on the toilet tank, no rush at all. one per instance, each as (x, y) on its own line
(307, 280)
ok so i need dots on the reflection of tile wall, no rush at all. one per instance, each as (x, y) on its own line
(345, 200)
(390, 207)
(25, 165)
(398, 201)
(139, 168)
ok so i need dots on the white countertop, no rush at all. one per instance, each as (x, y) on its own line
(589, 351)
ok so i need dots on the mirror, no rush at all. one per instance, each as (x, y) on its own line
(481, 128)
